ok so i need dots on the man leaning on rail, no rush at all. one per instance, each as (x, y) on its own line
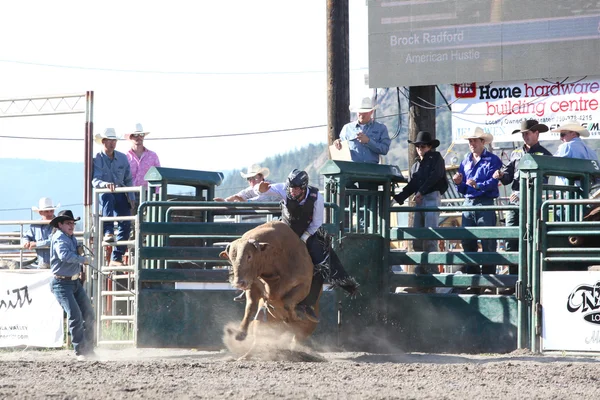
(111, 171)
(509, 174)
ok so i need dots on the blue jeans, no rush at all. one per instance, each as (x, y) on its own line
(427, 219)
(80, 315)
(116, 205)
(479, 218)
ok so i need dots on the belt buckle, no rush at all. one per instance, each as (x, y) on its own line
(75, 277)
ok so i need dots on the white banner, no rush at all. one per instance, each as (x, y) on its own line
(29, 313)
(499, 107)
(571, 311)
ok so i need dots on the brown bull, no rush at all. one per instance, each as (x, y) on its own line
(587, 241)
(273, 266)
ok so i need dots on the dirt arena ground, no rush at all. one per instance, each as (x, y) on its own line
(189, 374)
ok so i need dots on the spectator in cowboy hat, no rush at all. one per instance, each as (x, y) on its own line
(572, 146)
(254, 174)
(475, 181)
(509, 175)
(367, 138)
(428, 183)
(140, 159)
(38, 236)
(67, 284)
(111, 171)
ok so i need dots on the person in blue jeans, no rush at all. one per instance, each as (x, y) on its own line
(475, 181)
(428, 183)
(112, 170)
(66, 266)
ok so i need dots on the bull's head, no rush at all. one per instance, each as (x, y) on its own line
(241, 254)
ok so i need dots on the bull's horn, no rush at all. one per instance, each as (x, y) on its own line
(259, 246)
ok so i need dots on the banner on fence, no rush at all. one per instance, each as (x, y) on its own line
(571, 311)
(29, 313)
(499, 107)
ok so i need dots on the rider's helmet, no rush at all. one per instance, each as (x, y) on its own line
(296, 178)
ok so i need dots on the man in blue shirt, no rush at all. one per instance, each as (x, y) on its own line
(475, 181)
(112, 170)
(367, 138)
(38, 236)
(65, 264)
(572, 146)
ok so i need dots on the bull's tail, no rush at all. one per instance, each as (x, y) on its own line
(349, 284)
(339, 277)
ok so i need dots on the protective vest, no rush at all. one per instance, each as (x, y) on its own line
(297, 216)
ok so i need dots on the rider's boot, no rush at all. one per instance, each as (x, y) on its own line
(307, 306)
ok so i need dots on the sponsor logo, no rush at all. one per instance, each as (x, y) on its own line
(465, 90)
(585, 299)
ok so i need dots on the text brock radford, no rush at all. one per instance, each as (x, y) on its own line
(427, 38)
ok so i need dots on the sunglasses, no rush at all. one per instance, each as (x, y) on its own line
(137, 135)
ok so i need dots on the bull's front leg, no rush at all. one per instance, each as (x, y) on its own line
(291, 299)
(252, 299)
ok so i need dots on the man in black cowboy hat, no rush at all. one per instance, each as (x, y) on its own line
(65, 264)
(509, 174)
(428, 183)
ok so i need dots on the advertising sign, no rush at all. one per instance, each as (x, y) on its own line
(29, 312)
(414, 43)
(571, 311)
(499, 107)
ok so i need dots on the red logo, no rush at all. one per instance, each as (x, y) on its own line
(465, 90)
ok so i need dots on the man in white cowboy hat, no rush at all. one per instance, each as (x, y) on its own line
(475, 181)
(38, 236)
(254, 174)
(572, 146)
(367, 138)
(509, 175)
(111, 170)
(140, 159)
(428, 183)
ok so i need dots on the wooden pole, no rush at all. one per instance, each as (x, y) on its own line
(338, 68)
(421, 118)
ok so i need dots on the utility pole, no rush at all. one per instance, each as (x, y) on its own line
(421, 115)
(338, 68)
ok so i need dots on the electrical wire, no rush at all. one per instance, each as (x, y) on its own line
(163, 72)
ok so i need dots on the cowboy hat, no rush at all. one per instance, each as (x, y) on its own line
(109, 133)
(138, 131)
(480, 134)
(532, 125)
(574, 126)
(45, 204)
(64, 215)
(254, 170)
(366, 105)
(424, 137)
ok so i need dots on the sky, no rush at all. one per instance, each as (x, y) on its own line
(181, 69)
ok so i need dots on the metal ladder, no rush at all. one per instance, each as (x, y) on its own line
(115, 291)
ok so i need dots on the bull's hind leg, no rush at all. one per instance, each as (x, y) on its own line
(291, 299)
